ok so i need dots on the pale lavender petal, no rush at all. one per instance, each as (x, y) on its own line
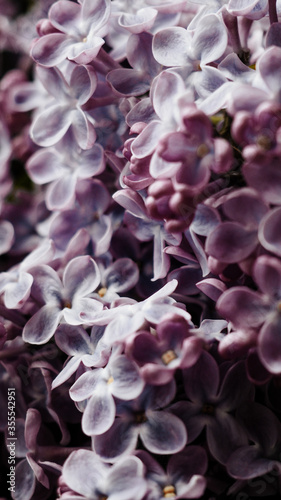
(76, 472)
(17, 293)
(127, 383)
(82, 310)
(52, 49)
(269, 69)
(61, 193)
(85, 385)
(131, 201)
(163, 433)
(143, 20)
(119, 440)
(68, 370)
(83, 83)
(209, 45)
(148, 139)
(95, 14)
(269, 231)
(65, 16)
(6, 236)
(81, 276)
(54, 82)
(44, 166)
(42, 326)
(93, 162)
(122, 275)
(85, 51)
(74, 341)
(26, 481)
(167, 84)
(170, 46)
(83, 129)
(99, 414)
(51, 125)
(47, 286)
(122, 326)
(135, 485)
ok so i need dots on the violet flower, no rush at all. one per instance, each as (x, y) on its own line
(78, 32)
(62, 300)
(160, 431)
(86, 475)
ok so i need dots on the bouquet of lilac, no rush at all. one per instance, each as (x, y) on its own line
(140, 278)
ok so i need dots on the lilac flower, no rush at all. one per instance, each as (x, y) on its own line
(160, 355)
(119, 379)
(61, 167)
(85, 474)
(81, 29)
(211, 405)
(92, 201)
(16, 283)
(65, 110)
(184, 477)
(66, 299)
(91, 350)
(263, 455)
(259, 311)
(160, 431)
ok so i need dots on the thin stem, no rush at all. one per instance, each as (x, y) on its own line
(273, 18)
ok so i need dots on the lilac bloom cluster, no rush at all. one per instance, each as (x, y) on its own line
(140, 273)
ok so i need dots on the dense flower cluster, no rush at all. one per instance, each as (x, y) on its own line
(140, 244)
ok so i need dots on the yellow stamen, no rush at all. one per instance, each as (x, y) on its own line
(102, 291)
(110, 380)
(169, 491)
(168, 356)
(202, 150)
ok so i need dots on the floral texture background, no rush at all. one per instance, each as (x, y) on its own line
(140, 249)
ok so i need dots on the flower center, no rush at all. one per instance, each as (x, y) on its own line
(202, 150)
(169, 491)
(140, 417)
(168, 356)
(110, 380)
(85, 39)
(208, 409)
(264, 142)
(67, 304)
(102, 291)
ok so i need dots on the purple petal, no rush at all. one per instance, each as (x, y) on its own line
(224, 435)
(81, 276)
(135, 486)
(82, 472)
(42, 326)
(269, 344)
(119, 440)
(52, 49)
(127, 383)
(83, 83)
(61, 193)
(143, 20)
(269, 232)
(99, 414)
(230, 242)
(44, 166)
(26, 481)
(51, 125)
(265, 177)
(163, 433)
(122, 275)
(6, 236)
(170, 46)
(267, 275)
(83, 130)
(246, 463)
(201, 381)
(73, 340)
(65, 16)
(17, 293)
(210, 44)
(243, 307)
(212, 287)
